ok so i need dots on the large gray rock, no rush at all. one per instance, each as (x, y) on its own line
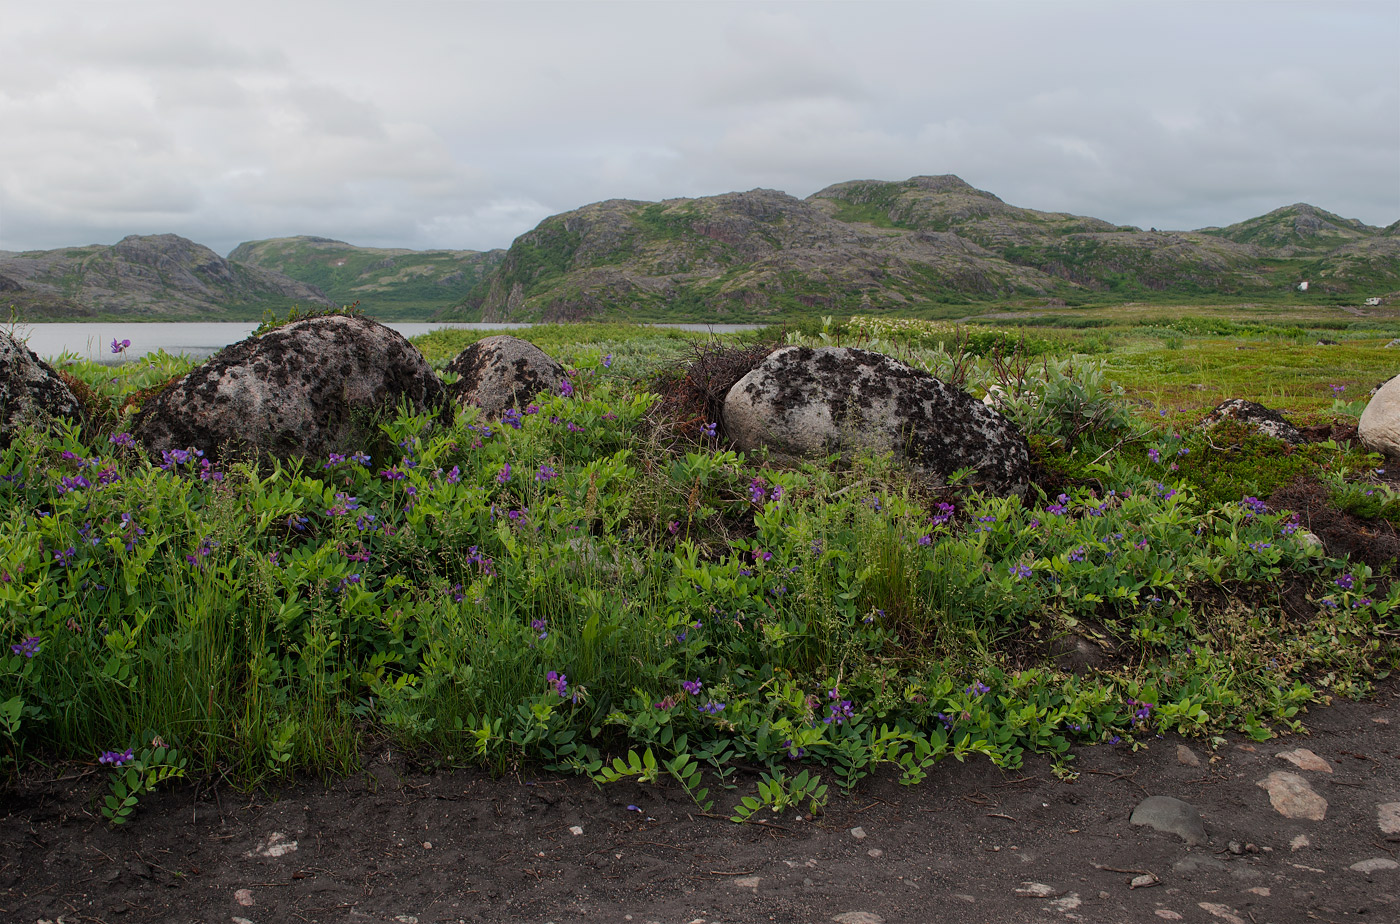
(1257, 417)
(500, 372)
(305, 389)
(1171, 816)
(1379, 429)
(802, 402)
(31, 392)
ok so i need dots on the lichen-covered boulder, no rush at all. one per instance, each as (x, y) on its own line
(31, 392)
(305, 389)
(803, 402)
(1379, 429)
(496, 373)
(1257, 417)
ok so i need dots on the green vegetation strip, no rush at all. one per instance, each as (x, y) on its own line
(576, 586)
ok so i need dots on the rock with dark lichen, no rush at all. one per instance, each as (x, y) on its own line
(31, 392)
(1257, 417)
(802, 402)
(500, 372)
(306, 389)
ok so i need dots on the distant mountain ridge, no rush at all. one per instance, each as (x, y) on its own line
(912, 245)
(387, 282)
(931, 245)
(154, 277)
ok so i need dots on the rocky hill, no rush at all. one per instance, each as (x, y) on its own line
(156, 277)
(918, 244)
(386, 282)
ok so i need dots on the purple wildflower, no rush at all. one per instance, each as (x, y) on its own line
(116, 758)
(28, 648)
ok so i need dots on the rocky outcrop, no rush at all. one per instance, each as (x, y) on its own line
(1379, 429)
(308, 388)
(802, 402)
(1257, 417)
(500, 372)
(31, 392)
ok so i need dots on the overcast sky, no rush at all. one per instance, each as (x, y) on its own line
(461, 125)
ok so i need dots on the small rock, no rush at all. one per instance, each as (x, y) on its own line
(1375, 864)
(858, 833)
(427, 845)
(277, 846)
(1379, 721)
(1224, 912)
(575, 830)
(1310, 869)
(1236, 848)
(1185, 755)
(1188, 865)
(1167, 915)
(748, 882)
(965, 898)
(1304, 759)
(1292, 796)
(244, 897)
(859, 917)
(1299, 842)
(1388, 817)
(237, 920)
(1143, 881)
(1171, 816)
(1068, 903)
(1036, 889)
(875, 852)
(406, 918)
(1262, 891)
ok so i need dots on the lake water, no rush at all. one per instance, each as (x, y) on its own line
(199, 339)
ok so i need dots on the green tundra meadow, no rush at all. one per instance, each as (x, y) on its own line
(599, 584)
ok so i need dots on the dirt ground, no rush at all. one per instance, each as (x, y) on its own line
(972, 844)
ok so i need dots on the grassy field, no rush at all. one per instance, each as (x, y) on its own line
(597, 585)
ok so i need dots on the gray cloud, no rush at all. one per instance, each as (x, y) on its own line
(462, 125)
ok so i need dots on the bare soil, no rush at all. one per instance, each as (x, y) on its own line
(973, 843)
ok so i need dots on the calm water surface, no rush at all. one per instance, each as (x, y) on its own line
(199, 339)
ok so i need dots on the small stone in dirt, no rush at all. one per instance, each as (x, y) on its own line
(277, 846)
(1262, 891)
(1304, 759)
(1068, 903)
(859, 917)
(234, 920)
(965, 898)
(1188, 865)
(575, 830)
(1388, 817)
(748, 882)
(406, 919)
(1171, 816)
(1380, 721)
(1167, 914)
(244, 897)
(1375, 864)
(1236, 848)
(858, 833)
(1143, 881)
(1224, 912)
(875, 852)
(1299, 842)
(1037, 889)
(427, 845)
(1185, 755)
(1292, 796)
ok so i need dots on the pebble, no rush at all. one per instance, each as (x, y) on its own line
(1185, 755)
(237, 920)
(1261, 891)
(1037, 889)
(875, 852)
(1388, 817)
(858, 834)
(1224, 912)
(1068, 903)
(1304, 759)
(277, 846)
(1299, 842)
(1375, 864)
(1293, 797)
(244, 897)
(748, 882)
(859, 917)
(1167, 914)
(963, 897)
(427, 845)
(1143, 881)
(575, 830)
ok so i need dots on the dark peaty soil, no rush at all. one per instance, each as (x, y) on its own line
(972, 843)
